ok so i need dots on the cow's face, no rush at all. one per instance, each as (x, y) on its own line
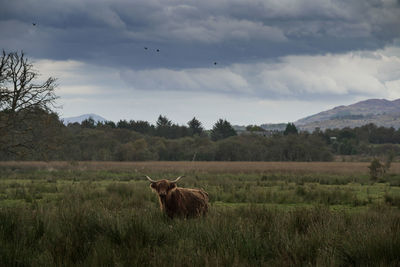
(162, 187)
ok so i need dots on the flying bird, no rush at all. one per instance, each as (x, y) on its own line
(215, 63)
(145, 48)
(158, 50)
(33, 23)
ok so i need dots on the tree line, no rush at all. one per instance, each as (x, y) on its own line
(165, 128)
(50, 139)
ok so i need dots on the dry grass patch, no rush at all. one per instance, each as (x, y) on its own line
(212, 167)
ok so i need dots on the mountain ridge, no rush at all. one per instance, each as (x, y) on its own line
(80, 118)
(381, 112)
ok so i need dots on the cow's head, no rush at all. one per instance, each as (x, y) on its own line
(162, 187)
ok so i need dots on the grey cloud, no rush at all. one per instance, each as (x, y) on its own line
(192, 34)
(308, 78)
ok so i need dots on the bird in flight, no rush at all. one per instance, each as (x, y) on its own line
(158, 50)
(215, 63)
(33, 23)
(145, 48)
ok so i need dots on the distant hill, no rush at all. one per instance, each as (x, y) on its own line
(380, 112)
(274, 126)
(267, 126)
(83, 117)
(239, 128)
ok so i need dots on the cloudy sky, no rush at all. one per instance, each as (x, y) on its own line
(276, 60)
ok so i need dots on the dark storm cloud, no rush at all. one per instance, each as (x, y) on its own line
(194, 33)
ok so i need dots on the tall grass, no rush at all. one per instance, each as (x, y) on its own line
(77, 217)
(87, 234)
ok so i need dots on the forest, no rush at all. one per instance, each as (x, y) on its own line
(37, 134)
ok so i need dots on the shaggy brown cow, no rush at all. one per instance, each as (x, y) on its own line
(178, 201)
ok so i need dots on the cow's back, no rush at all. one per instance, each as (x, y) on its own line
(187, 202)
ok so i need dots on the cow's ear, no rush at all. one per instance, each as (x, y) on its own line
(172, 186)
(153, 185)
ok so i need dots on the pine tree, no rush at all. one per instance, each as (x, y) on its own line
(290, 129)
(163, 121)
(195, 126)
(222, 129)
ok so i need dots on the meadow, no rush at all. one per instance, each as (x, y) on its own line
(261, 214)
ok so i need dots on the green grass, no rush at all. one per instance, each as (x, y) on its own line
(60, 217)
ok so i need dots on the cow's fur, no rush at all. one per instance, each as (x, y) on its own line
(182, 202)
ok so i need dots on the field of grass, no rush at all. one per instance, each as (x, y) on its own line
(261, 214)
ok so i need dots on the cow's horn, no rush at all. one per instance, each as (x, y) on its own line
(151, 180)
(177, 179)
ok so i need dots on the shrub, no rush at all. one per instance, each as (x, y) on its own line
(376, 169)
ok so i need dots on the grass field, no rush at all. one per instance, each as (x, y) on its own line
(261, 214)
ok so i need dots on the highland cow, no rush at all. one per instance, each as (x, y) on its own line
(180, 202)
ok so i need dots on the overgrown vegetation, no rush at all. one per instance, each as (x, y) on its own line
(75, 214)
(49, 139)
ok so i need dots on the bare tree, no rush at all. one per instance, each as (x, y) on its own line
(3, 77)
(21, 96)
(19, 89)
